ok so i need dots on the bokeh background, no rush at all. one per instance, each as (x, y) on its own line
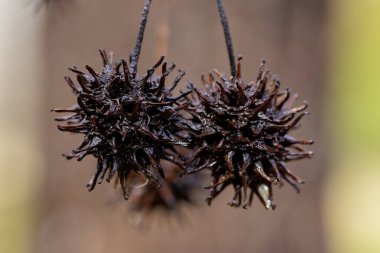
(327, 51)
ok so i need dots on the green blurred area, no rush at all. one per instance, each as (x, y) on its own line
(353, 189)
(354, 68)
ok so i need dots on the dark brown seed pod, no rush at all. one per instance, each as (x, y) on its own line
(175, 191)
(129, 123)
(241, 132)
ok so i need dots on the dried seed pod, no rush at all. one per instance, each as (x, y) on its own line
(146, 199)
(241, 131)
(129, 123)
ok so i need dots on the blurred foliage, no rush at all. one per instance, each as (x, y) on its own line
(353, 188)
(354, 75)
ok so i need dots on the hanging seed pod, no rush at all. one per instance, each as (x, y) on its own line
(241, 132)
(129, 123)
(147, 199)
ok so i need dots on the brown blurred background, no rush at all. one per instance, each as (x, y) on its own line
(318, 48)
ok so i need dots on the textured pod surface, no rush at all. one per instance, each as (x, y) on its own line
(241, 133)
(129, 123)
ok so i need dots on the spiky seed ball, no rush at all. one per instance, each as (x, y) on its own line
(241, 133)
(175, 191)
(129, 123)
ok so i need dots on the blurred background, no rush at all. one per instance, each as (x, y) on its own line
(327, 51)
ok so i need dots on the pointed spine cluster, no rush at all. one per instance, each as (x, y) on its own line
(241, 135)
(129, 124)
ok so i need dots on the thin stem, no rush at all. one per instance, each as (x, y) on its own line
(140, 36)
(227, 37)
